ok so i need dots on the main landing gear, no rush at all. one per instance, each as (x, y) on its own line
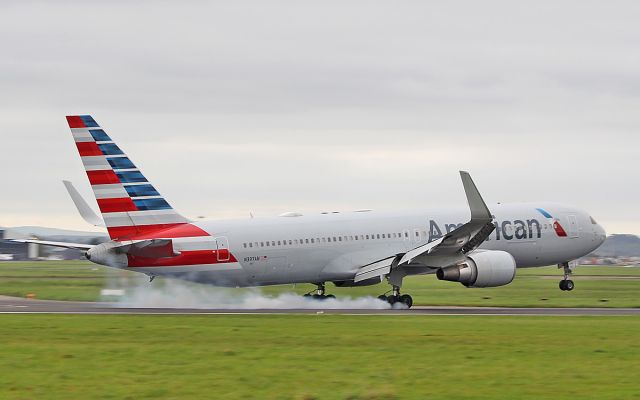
(319, 295)
(396, 297)
(566, 284)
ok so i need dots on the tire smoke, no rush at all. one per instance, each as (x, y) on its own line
(171, 293)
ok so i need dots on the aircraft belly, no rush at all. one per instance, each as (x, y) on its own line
(227, 274)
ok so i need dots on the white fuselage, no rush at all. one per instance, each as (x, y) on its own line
(333, 246)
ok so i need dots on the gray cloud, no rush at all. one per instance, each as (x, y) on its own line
(271, 107)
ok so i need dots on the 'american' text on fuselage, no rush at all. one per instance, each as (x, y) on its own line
(505, 230)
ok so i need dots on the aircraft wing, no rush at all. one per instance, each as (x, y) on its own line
(448, 249)
(463, 239)
(77, 246)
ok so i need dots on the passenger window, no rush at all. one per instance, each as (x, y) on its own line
(306, 241)
(250, 244)
(267, 244)
(244, 245)
(367, 237)
(334, 239)
(279, 243)
(261, 244)
(340, 238)
(378, 236)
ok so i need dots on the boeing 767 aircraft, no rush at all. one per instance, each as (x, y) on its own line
(476, 246)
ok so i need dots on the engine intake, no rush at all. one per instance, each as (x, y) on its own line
(481, 269)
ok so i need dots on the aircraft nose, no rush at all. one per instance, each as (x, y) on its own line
(601, 234)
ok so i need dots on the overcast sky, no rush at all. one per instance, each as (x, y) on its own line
(275, 106)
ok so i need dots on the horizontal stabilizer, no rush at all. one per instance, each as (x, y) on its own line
(77, 246)
(83, 208)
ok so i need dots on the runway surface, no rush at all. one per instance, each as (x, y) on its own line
(15, 305)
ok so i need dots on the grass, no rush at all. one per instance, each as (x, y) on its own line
(535, 287)
(318, 357)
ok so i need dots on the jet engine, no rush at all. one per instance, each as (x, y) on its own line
(481, 269)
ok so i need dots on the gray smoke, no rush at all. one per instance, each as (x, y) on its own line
(170, 293)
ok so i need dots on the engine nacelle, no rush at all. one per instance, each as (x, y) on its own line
(481, 269)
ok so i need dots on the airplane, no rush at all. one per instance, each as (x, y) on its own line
(475, 246)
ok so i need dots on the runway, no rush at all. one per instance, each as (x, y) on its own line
(16, 305)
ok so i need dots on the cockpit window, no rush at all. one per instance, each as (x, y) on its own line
(593, 221)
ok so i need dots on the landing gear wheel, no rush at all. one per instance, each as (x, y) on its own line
(406, 300)
(382, 297)
(319, 293)
(393, 299)
(567, 284)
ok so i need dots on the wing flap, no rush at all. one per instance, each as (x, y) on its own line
(424, 249)
(373, 270)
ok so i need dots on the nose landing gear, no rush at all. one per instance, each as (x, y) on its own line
(566, 284)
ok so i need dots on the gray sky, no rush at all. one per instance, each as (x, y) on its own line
(231, 107)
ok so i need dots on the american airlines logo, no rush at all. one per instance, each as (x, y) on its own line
(505, 230)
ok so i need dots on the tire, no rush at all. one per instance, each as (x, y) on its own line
(318, 297)
(392, 300)
(330, 296)
(406, 300)
(307, 295)
(382, 297)
(562, 285)
(569, 285)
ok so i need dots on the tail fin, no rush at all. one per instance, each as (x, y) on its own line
(130, 205)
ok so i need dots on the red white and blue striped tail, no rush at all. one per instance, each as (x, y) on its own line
(130, 205)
